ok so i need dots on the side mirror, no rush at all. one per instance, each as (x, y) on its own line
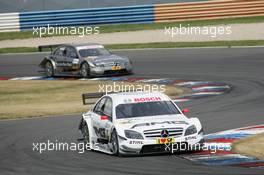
(104, 117)
(185, 111)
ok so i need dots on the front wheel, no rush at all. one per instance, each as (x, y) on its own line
(114, 143)
(85, 70)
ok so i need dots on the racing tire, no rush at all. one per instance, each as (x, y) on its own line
(115, 144)
(49, 69)
(85, 70)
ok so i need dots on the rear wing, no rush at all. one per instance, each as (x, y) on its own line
(50, 47)
(86, 98)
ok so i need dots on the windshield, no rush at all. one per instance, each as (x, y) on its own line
(93, 52)
(145, 109)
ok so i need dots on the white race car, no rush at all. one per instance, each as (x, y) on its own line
(137, 123)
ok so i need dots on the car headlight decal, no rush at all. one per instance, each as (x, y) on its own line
(190, 130)
(133, 134)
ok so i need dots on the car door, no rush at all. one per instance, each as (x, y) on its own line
(72, 59)
(59, 56)
(108, 123)
(97, 113)
(102, 119)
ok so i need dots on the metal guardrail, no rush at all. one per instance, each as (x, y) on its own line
(133, 14)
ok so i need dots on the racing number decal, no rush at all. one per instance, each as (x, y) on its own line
(100, 132)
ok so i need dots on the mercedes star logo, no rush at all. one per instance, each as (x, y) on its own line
(164, 133)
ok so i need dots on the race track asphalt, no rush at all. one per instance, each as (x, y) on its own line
(243, 106)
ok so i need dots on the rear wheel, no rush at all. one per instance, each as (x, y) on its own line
(85, 70)
(49, 69)
(114, 143)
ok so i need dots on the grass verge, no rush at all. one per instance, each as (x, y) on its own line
(26, 99)
(135, 27)
(250, 146)
(156, 45)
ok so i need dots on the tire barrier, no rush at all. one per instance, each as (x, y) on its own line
(155, 13)
(9, 22)
(208, 10)
(78, 17)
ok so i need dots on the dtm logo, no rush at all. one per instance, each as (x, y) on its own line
(164, 133)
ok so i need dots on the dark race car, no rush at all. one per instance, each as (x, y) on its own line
(85, 60)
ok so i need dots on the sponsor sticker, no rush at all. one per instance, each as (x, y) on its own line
(133, 142)
(190, 138)
(165, 140)
(116, 68)
(146, 99)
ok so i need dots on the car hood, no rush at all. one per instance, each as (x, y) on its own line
(106, 59)
(145, 123)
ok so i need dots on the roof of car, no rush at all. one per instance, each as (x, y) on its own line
(138, 97)
(83, 44)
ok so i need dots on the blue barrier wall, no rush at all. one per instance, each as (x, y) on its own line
(95, 16)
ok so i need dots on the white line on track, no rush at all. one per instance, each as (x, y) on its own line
(119, 50)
